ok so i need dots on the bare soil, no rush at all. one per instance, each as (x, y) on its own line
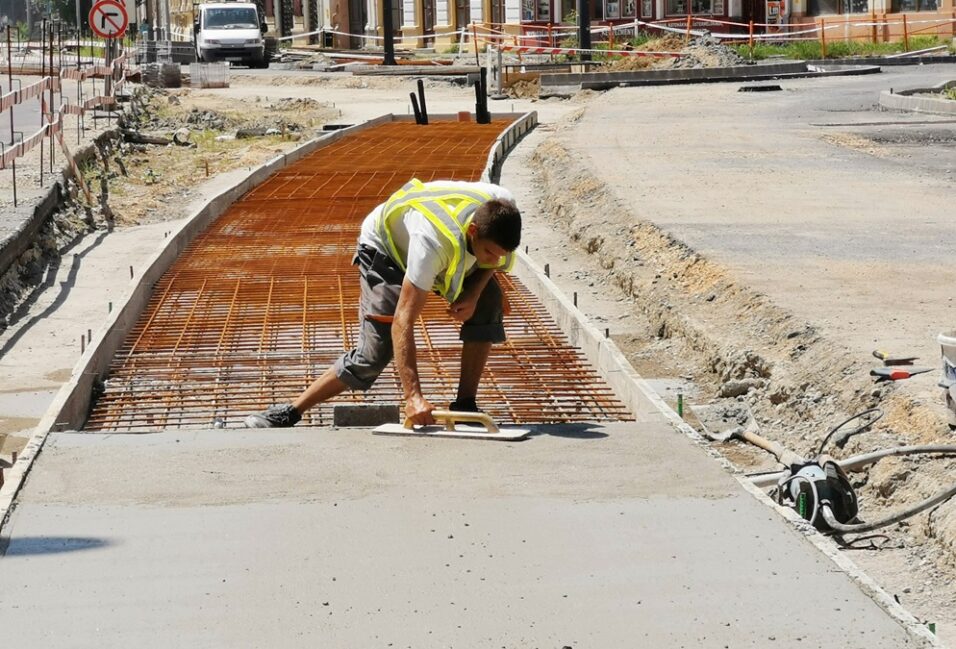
(155, 175)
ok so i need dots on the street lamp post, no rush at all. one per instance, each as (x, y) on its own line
(387, 27)
(584, 29)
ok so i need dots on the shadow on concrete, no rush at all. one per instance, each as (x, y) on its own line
(37, 545)
(65, 288)
(573, 431)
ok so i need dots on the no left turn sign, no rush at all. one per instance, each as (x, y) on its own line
(108, 19)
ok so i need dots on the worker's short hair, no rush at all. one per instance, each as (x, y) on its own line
(500, 221)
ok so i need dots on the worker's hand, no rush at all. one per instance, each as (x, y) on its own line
(463, 308)
(419, 410)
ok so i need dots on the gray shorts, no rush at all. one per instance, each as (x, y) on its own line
(381, 284)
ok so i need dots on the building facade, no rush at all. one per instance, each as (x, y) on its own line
(425, 23)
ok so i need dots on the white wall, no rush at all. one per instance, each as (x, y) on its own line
(325, 14)
(371, 10)
(476, 15)
(512, 11)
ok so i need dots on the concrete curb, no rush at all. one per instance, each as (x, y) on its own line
(505, 143)
(31, 219)
(905, 101)
(70, 407)
(560, 84)
(605, 80)
(886, 60)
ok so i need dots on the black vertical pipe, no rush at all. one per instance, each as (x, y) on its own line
(389, 34)
(584, 28)
(52, 96)
(418, 113)
(479, 115)
(42, 74)
(421, 101)
(483, 116)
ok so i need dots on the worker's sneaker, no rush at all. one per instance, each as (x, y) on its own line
(283, 416)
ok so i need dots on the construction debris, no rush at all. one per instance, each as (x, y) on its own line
(701, 52)
(704, 52)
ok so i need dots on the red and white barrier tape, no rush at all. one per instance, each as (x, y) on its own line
(23, 147)
(55, 126)
(33, 90)
(571, 51)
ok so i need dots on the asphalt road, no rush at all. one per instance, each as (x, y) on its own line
(807, 194)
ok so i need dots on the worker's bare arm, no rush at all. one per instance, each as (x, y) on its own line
(411, 302)
(464, 307)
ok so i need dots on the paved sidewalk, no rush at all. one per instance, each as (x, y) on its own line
(626, 535)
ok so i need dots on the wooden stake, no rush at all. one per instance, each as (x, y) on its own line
(823, 39)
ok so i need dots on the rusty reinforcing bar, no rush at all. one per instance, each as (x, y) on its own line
(266, 298)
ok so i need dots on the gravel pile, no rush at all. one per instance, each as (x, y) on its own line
(295, 103)
(707, 52)
(702, 52)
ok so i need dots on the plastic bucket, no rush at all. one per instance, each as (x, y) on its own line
(947, 341)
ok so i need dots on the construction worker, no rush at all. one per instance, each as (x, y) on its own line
(445, 236)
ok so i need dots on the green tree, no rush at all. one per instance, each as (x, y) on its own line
(66, 10)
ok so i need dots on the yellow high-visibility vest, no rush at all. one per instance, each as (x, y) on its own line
(448, 208)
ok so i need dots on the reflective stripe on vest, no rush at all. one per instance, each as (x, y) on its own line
(450, 210)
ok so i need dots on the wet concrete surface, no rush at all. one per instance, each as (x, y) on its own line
(616, 536)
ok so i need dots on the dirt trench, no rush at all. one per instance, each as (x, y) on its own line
(743, 348)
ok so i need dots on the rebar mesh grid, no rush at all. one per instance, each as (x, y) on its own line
(262, 302)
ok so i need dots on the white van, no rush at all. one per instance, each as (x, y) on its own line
(230, 31)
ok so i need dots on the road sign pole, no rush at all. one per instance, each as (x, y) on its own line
(108, 90)
(108, 85)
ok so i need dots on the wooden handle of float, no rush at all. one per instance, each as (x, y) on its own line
(449, 417)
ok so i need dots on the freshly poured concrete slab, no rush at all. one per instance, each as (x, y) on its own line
(625, 535)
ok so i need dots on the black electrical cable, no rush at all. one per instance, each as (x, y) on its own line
(859, 429)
